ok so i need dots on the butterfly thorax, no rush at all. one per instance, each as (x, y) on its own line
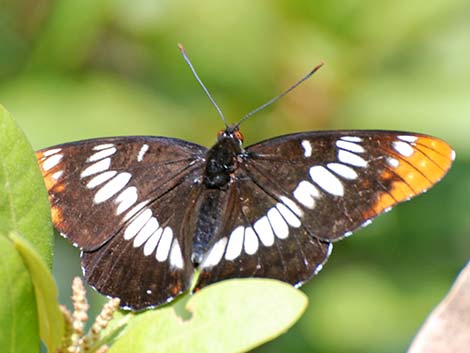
(221, 161)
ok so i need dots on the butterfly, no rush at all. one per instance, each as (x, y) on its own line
(148, 211)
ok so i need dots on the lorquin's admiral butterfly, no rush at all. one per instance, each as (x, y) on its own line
(147, 211)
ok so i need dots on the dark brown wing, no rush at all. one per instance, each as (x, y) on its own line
(94, 185)
(294, 194)
(124, 202)
(147, 263)
(261, 237)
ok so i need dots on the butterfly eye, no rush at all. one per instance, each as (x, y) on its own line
(239, 136)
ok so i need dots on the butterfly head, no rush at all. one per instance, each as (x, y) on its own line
(231, 131)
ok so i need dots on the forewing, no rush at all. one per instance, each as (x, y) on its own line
(342, 179)
(94, 185)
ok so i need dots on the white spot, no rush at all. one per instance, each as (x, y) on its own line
(57, 175)
(100, 179)
(145, 232)
(148, 291)
(292, 205)
(288, 215)
(326, 180)
(97, 167)
(176, 257)
(134, 210)
(366, 223)
(350, 146)
(264, 231)
(251, 241)
(112, 187)
(278, 223)
(215, 254)
(452, 155)
(328, 253)
(52, 161)
(103, 146)
(351, 158)
(306, 193)
(151, 244)
(164, 245)
(318, 269)
(329, 250)
(235, 243)
(307, 148)
(137, 224)
(393, 162)
(408, 138)
(142, 152)
(343, 170)
(126, 199)
(102, 154)
(351, 138)
(51, 152)
(403, 148)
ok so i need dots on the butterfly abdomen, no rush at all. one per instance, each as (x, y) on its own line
(210, 208)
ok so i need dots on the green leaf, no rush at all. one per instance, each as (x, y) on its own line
(230, 316)
(24, 207)
(18, 315)
(51, 322)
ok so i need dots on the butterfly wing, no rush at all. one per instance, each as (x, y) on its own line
(315, 188)
(257, 241)
(289, 198)
(89, 181)
(115, 199)
(148, 262)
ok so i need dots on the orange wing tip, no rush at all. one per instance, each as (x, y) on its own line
(423, 162)
(419, 162)
(438, 150)
(49, 162)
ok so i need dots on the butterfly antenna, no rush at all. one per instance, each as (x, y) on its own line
(272, 100)
(186, 58)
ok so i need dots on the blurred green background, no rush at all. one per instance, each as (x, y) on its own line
(72, 70)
